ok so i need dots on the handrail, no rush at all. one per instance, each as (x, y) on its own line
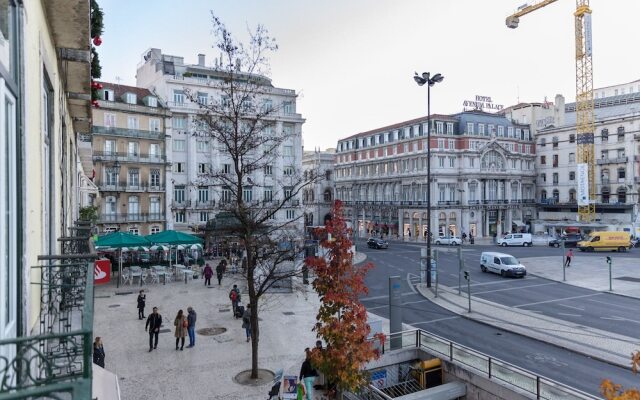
(540, 384)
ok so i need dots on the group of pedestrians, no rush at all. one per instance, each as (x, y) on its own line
(221, 268)
(240, 311)
(185, 325)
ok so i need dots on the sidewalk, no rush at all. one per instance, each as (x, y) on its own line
(589, 273)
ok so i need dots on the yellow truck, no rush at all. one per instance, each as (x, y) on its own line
(606, 241)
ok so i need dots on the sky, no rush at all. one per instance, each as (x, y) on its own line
(352, 61)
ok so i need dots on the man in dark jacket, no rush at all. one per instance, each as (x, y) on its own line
(154, 322)
(220, 271)
(141, 302)
(191, 327)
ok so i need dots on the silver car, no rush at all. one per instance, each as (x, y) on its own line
(450, 240)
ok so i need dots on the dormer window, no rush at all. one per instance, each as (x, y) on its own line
(108, 95)
(152, 101)
(130, 98)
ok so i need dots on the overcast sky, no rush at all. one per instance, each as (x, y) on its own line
(352, 61)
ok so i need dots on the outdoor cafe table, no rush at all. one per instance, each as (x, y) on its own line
(135, 271)
(161, 271)
(185, 271)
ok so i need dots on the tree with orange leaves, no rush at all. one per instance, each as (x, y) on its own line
(342, 319)
(613, 391)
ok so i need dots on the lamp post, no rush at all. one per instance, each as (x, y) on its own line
(430, 81)
(116, 176)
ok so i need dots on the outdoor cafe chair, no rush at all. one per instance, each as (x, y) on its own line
(126, 276)
(155, 278)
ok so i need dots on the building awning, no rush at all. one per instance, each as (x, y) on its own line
(517, 222)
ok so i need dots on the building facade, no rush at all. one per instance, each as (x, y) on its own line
(318, 197)
(45, 109)
(617, 151)
(130, 160)
(194, 200)
(482, 171)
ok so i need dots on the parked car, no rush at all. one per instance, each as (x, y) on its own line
(503, 264)
(569, 241)
(375, 243)
(607, 241)
(450, 240)
(516, 239)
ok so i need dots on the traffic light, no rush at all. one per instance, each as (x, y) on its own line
(608, 259)
(466, 275)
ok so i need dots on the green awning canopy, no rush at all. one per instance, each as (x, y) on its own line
(121, 239)
(173, 237)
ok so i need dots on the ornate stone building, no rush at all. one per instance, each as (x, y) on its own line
(482, 170)
(318, 197)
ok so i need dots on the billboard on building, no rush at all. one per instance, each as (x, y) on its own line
(582, 180)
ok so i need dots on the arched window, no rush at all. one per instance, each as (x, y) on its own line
(622, 195)
(327, 195)
(572, 195)
(605, 195)
(492, 160)
(543, 196)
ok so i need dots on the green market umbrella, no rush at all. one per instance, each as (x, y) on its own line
(121, 240)
(173, 238)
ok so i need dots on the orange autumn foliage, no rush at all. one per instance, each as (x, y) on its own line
(613, 391)
(342, 319)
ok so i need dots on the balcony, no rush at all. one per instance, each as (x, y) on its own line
(56, 362)
(617, 160)
(132, 133)
(125, 187)
(180, 204)
(205, 205)
(529, 201)
(124, 218)
(106, 156)
(636, 179)
(501, 201)
(448, 202)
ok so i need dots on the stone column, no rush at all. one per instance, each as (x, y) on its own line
(420, 230)
(411, 225)
(400, 224)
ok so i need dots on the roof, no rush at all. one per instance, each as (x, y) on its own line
(119, 90)
(400, 125)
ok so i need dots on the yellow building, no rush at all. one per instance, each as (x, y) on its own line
(130, 161)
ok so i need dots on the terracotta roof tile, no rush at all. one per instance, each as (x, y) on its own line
(119, 90)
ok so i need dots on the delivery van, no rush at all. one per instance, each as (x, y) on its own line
(503, 264)
(515, 239)
(606, 241)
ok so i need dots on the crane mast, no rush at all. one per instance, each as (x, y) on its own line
(585, 118)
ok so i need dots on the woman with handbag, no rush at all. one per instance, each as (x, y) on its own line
(181, 325)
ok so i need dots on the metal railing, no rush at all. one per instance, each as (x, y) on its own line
(497, 370)
(134, 133)
(57, 362)
(130, 217)
(128, 157)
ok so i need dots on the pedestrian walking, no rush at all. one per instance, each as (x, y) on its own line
(234, 296)
(246, 321)
(141, 303)
(567, 262)
(191, 328)
(308, 374)
(181, 325)
(220, 271)
(154, 322)
(208, 273)
(98, 352)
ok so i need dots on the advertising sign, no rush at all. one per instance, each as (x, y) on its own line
(290, 387)
(102, 272)
(379, 379)
(582, 180)
(587, 34)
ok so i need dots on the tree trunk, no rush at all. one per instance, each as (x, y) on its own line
(253, 301)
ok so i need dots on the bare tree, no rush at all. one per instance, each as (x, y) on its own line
(242, 126)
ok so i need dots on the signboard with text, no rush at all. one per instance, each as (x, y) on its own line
(482, 103)
(582, 180)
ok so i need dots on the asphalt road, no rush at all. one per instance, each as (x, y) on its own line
(535, 294)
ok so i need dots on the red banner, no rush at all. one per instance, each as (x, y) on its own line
(102, 272)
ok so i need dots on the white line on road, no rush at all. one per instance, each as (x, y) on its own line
(415, 302)
(411, 286)
(570, 315)
(375, 308)
(575, 308)
(517, 287)
(528, 278)
(613, 304)
(615, 318)
(554, 300)
(433, 320)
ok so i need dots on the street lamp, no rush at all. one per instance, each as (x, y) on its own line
(430, 81)
(115, 170)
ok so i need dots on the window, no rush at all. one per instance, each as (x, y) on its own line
(622, 173)
(441, 192)
(287, 151)
(291, 214)
(621, 134)
(111, 176)
(154, 124)
(543, 142)
(452, 144)
(604, 135)
(180, 217)
(287, 107)
(288, 171)
(268, 170)
(481, 129)
(154, 178)
(134, 231)
(178, 96)
(572, 175)
(179, 167)
(470, 128)
(179, 145)
(152, 101)
(572, 138)
(203, 168)
(204, 216)
(452, 162)
(202, 98)
(226, 168)
(134, 207)
(518, 133)
(110, 147)
(247, 194)
(500, 130)
(449, 128)
(134, 177)
(226, 195)
(179, 122)
(439, 127)
(513, 164)
(268, 193)
(510, 131)
(203, 194)
(543, 177)
(622, 195)
(110, 120)
(133, 149)
(130, 98)
(555, 160)
(178, 194)
(202, 146)
(555, 178)
(491, 129)
(441, 144)
(154, 207)
(604, 154)
(555, 142)
(108, 95)
(472, 162)
(441, 162)
(543, 160)
(572, 158)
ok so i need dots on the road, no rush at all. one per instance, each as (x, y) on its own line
(530, 293)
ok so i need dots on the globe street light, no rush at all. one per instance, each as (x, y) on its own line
(426, 78)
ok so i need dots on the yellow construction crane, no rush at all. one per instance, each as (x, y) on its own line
(585, 120)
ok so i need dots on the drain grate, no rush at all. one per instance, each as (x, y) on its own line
(123, 293)
(164, 330)
(224, 310)
(114, 305)
(211, 331)
(288, 313)
(628, 279)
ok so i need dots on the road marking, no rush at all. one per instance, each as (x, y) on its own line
(415, 302)
(613, 304)
(433, 320)
(501, 281)
(615, 318)
(570, 315)
(375, 308)
(554, 300)
(411, 285)
(575, 308)
(516, 288)
(383, 297)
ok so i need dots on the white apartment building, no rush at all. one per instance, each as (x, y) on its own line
(617, 149)
(318, 197)
(192, 202)
(482, 172)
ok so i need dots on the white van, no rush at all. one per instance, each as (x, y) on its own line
(503, 264)
(516, 239)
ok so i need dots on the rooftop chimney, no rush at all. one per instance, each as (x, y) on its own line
(201, 60)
